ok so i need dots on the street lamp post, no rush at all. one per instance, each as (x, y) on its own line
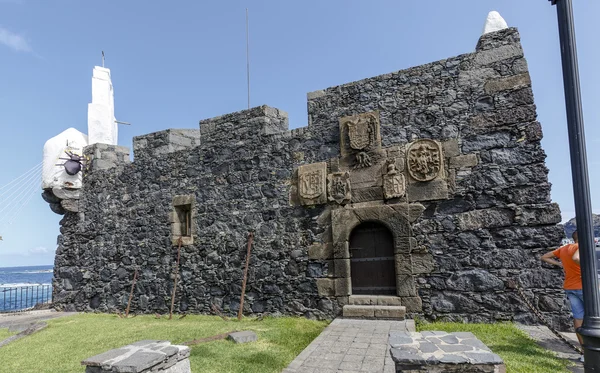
(590, 331)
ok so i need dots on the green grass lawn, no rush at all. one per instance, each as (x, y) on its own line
(520, 353)
(67, 341)
(4, 333)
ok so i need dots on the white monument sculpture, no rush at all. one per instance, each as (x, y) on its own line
(63, 161)
(54, 174)
(102, 125)
(494, 22)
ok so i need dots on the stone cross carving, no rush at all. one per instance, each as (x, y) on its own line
(338, 187)
(394, 185)
(424, 160)
(311, 183)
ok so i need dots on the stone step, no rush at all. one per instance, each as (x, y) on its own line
(379, 300)
(374, 312)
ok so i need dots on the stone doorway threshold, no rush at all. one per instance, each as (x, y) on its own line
(350, 345)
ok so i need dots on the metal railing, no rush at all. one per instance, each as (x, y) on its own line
(22, 298)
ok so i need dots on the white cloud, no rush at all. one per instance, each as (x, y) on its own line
(14, 41)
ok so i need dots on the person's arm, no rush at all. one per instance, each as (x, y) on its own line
(576, 257)
(550, 259)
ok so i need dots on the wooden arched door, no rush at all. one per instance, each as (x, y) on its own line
(372, 264)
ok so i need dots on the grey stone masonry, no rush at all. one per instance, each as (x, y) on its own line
(141, 357)
(436, 352)
(444, 160)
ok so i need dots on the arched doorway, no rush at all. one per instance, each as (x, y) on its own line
(372, 264)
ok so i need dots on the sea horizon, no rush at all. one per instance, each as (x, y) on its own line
(19, 276)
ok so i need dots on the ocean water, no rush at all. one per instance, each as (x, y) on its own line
(24, 287)
(25, 276)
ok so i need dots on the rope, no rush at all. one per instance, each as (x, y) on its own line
(13, 212)
(35, 168)
(16, 199)
(541, 317)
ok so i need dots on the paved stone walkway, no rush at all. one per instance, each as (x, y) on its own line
(544, 337)
(350, 346)
(19, 321)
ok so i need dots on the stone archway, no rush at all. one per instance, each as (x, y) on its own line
(397, 219)
(372, 262)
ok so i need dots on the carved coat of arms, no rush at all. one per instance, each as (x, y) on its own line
(424, 160)
(338, 187)
(311, 183)
(393, 183)
(362, 131)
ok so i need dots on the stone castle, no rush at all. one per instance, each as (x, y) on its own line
(424, 188)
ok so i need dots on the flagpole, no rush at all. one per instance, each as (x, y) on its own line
(247, 58)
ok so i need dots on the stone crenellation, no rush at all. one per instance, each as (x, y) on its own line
(446, 157)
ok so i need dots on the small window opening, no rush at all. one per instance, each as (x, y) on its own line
(184, 219)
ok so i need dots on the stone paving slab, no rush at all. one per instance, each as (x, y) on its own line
(546, 339)
(22, 320)
(350, 346)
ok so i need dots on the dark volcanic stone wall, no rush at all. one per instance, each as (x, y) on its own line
(471, 247)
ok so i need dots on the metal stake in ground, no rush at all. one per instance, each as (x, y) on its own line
(175, 281)
(250, 237)
(131, 293)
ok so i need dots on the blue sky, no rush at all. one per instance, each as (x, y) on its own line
(176, 62)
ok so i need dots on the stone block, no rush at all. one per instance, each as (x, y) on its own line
(412, 304)
(343, 286)
(451, 148)
(367, 194)
(358, 311)
(484, 218)
(509, 82)
(243, 337)
(403, 264)
(367, 177)
(342, 222)
(405, 286)
(362, 300)
(427, 191)
(464, 161)
(341, 250)
(320, 252)
(326, 287)
(390, 312)
(388, 300)
(404, 245)
(488, 57)
(422, 263)
(142, 357)
(538, 214)
(412, 211)
(341, 268)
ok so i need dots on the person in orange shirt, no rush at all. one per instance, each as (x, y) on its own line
(572, 284)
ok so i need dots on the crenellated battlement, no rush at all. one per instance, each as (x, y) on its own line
(164, 142)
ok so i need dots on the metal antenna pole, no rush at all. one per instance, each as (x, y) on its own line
(590, 331)
(248, 58)
(102, 58)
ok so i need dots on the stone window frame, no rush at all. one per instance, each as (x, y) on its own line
(397, 219)
(187, 204)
